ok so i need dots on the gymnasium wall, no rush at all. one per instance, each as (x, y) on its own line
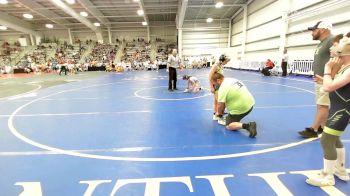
(265, 23)
(12, 37)
(203, 38)
(161, 30)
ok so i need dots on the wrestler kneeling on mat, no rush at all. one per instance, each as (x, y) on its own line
(235, 96)
(193, 84)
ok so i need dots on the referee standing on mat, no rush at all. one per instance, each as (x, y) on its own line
(173, 64)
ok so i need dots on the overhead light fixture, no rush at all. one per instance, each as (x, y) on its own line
(84, 14)
(3, 28)
(97, 24)
(209, 20)
(70, 1)
(4, 2)
(140, 12)
(135, 0)
(144, 23)
(29, 16)
(50, 26)
(219, 4)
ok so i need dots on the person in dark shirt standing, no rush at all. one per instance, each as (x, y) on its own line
(322, 32)
(174, 63)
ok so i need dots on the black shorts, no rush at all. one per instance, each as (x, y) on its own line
(236, 118)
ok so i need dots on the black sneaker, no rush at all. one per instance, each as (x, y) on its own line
(252, 129)
(176, 89)
(170, 90)
(320, 130)
(308, 133)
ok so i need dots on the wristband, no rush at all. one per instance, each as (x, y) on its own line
(327, 74)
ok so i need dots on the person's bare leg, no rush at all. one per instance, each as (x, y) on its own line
(321, 117)
(234, 126)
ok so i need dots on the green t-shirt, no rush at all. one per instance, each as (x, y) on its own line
(322, 55)
(236, 96)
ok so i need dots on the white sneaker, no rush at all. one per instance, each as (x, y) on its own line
(321, 179)
(222, 121)
(215, 117)
(342, 174)
(186, 90)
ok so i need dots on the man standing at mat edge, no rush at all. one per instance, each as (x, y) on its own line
(174, 63)
(322, 32)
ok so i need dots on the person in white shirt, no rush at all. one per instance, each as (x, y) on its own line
(193, 84)
(174, 63)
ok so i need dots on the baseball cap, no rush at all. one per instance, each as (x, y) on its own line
(321, 25)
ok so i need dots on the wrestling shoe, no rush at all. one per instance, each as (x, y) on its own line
(252, 129)
(322, 179)
(341, 173)
(222, 121)
(308, 133)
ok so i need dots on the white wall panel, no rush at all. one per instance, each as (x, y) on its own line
(262, 55)
(299, 41)
(298, 4)
(207, 35)
(265, 31)
(237, 27)
(200, 37)
(236, 39)
(339, 14)
(266, 14)
(261, 45)
(257, 4)
(204, 41)
(301, 53)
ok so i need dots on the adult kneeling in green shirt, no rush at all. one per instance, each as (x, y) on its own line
(235, 96)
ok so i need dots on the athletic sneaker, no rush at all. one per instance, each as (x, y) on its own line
(215, 117)
(222, 121)
(342, 174)
(186, 90)
(322, 179)
(308, 133)
(252, 129)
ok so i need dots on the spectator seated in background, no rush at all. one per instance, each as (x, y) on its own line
(268, 66)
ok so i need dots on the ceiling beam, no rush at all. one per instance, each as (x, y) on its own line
(17, 24)
(75, 15)
(142, 7)
(95, 12)
(181, 14)
(213, 6)
(45, 13)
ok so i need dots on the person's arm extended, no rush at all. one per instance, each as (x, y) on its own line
(329, 84)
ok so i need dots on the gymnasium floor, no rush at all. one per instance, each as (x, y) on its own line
(125, 134)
